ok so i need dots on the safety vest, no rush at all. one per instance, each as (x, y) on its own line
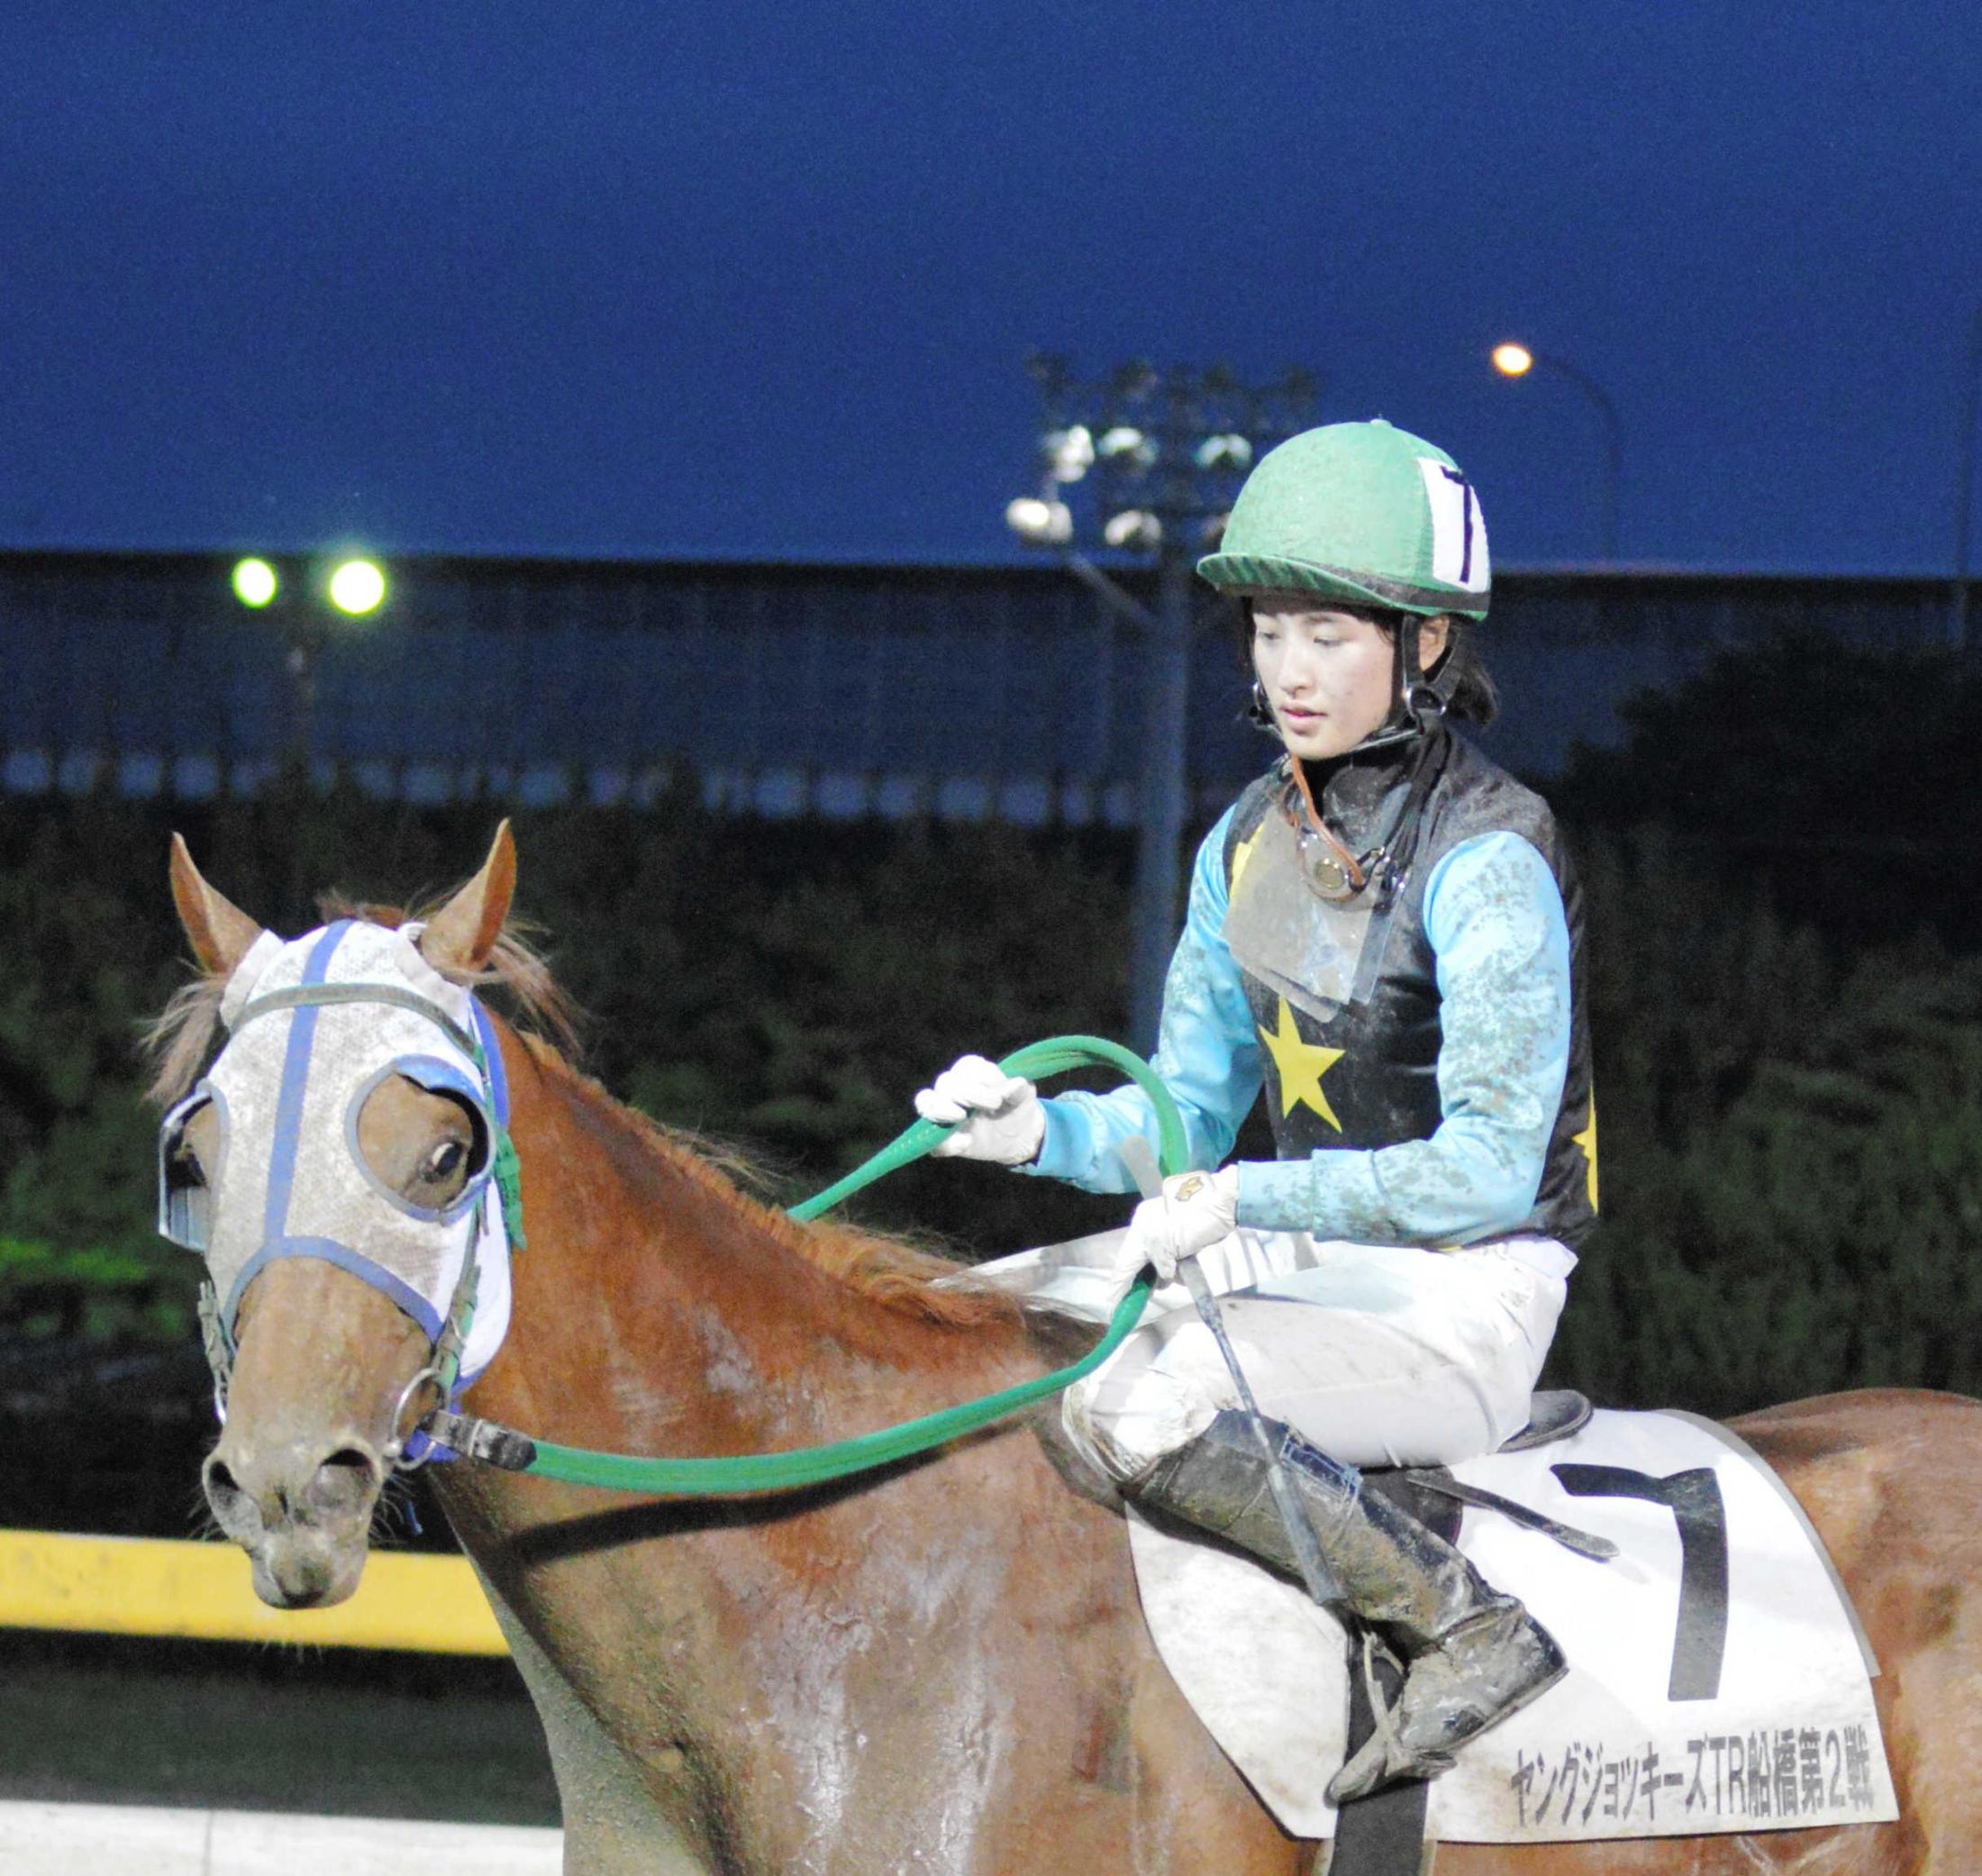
(1374, 1006)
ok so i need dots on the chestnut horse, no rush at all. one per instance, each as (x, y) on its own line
(940, 1667)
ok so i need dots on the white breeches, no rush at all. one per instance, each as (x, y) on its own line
(1378, 1355)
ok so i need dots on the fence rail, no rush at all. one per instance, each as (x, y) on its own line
(162, 1587)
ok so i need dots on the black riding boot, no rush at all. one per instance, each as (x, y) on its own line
(1472, 1655)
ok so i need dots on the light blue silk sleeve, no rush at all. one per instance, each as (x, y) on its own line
(1494, 918)
(1208, 1053)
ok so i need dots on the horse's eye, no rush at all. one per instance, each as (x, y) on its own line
(445, 1160)
(186, 1169)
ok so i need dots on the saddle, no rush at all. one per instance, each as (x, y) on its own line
(1428, 1492)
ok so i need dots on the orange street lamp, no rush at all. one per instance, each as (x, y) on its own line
(1513, 359)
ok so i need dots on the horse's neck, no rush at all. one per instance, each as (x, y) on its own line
(657, 1311)
(729, 1651)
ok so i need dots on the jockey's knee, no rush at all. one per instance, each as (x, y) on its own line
(1125, 1422)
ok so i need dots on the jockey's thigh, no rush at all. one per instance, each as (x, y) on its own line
(1378, 1354)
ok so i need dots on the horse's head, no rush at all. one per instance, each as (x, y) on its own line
(332, 1166)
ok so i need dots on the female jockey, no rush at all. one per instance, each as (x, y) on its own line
(1384, 931)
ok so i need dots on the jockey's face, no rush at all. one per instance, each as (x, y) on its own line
(1330, 676)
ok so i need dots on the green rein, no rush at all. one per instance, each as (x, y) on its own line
(840, 1458)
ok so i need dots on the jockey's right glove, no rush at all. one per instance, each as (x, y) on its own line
(994, 1116)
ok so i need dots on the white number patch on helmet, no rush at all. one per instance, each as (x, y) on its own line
(1458, 532)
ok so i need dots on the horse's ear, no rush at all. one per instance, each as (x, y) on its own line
(462, 934)
(220, 931)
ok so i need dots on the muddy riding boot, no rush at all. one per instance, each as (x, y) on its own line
(1471, 1655)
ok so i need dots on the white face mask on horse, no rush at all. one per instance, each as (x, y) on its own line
(315, 1026)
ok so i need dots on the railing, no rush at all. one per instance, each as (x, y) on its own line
(168, 1589)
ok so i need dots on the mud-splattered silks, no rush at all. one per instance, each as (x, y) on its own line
(315, 1026)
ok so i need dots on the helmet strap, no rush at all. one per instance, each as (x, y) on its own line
(1401, 849)
(1421, 706)
(1422, 700)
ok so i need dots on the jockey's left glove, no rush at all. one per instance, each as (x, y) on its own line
(993, 1115)
(1191, 1214)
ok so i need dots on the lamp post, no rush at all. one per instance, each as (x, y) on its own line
(1145, 465)
(1964, 485)
(1513, 359)
(355, 587)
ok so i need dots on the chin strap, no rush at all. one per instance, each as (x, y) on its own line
(1419, 717)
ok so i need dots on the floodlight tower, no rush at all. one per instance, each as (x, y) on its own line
(1144, 465)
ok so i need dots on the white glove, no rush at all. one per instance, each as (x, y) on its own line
(996, 1117)
(1191, 1214)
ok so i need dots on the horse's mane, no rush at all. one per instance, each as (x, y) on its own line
(889, 1271)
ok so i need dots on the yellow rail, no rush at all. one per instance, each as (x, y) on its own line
(147, 1586)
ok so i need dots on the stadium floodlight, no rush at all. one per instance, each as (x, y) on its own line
(1069, 454)
(1511, 360)
(1133, 528)
(255, 583)
(1043, 523)
(357, 586)
(1227, 450)
(1127, 445)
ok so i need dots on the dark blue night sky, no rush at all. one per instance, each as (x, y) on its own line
(756, 280)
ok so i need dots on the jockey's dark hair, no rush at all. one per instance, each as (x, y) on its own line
(1474, 696)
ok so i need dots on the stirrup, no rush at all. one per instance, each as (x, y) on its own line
(1384, 1744)
(1417, 1737)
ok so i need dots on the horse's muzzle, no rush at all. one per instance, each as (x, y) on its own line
(301, 1510)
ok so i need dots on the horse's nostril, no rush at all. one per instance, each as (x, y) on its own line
(230, 1504)
(345, 1483)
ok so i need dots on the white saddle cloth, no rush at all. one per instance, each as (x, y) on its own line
(1761, 1719)
(1774, 1727)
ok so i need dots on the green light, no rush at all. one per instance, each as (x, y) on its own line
(357, 586)
(255, 582)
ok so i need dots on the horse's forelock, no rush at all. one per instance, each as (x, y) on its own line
(179, 1039)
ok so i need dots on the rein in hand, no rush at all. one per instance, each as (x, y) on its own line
(516, 1452)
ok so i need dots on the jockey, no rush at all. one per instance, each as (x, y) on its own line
(1385, 933)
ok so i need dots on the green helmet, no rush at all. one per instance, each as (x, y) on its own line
(1358, 512)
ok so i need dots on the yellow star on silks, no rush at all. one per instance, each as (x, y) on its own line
(1300, 1067)
(1241, 854)
(1586, 1140)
